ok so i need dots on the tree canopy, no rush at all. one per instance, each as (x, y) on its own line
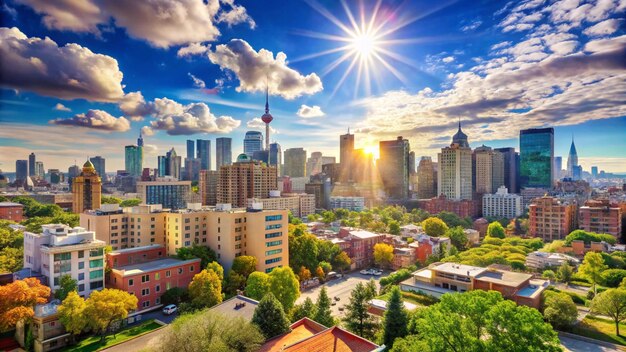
(205, 289)
(383, 254)
(509, 251)
(496, 230)
(17, 300)
(205, 254)
(588, 237)
(66, 285)
(323, 314)
(592, 268)
(270, 317)
(284, 286)
(106, 306)
(434, 227)
(396, 318)
(257, 285)
(559, 310)
(72, 313)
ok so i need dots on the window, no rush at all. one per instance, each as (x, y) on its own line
(81, 265)
(273, 260)
(157, 288)
(274, 251)
(131, 282)
(168, 273)
(274, 226)
(273, 217)
(96, 285)
(157, 276)
(158, 300)
(145, 278)
(97, 263)
(96, 274)
(180, 271)
(81, 287)
(273, 235)
(145, 304)
(167, 285)
(81, 254)
(62, 256)
(273, 243)
(96, 252)
(145, 291)
(81, 276)
(191, 269)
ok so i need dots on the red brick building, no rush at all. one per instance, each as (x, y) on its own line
(462, 208)
(361, 248)
(147, 273)
(601, 217)
(11, 211)
(551, 219)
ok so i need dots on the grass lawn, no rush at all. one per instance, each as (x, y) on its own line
(92, 343)
(601, 329)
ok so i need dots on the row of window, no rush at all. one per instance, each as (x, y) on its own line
(157, 276)
(273, 243)
(273, 217)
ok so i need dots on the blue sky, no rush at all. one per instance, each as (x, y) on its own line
(189, 69)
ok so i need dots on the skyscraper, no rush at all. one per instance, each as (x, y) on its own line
(99, 163)
(191, 149)
(208, 186)
(31, 164)
(412, 163)
(426, 181)
(133, 160)
(572, 163)
(173, 164)
(21, 170)
(192, 169)
(314, 164)
(295, 162)
(346, 154)
(39, 170)
(86, 189)
(267, 118)
(203, 147)
(558, 167)
(454, 179)
(275, 157)
(537, 158)
(594, 174)
(252, 142)
(511, 170)
(223, 151)
(393, 166)
(488, 170)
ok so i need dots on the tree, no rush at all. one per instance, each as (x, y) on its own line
(565, 272)
(175, 295)
(270, 317)
(371, 289)
(206, 254)
(613, 277)
(383, 254)
(17, 300)
(106, 306)
(560, 310)
(328, 216)
(411, 343)
(611, 303)
(434, 227)
(323, 315)
(357, 318)
(342, 261)
(592, 268)
(71, 314)
(396, 318)
(284, 286)
(110, 200)
(394, 227)
(304, 273)
(303, 251)
(257, 285)
(132, 202)
(496, 230)
(458, 237)
(217, 268)
(205, 290)
(67, 285)
(234, 283)
(319, 273)
(305, 309)
(548, 275)
(244, 265)
(326, 266)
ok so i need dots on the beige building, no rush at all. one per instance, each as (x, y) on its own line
(488, 170)
(300, 204)
(426, 179)
(245, 179)
(86, 189)
(455, 172)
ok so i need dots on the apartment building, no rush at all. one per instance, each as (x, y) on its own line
(349, 203)
(61, 250)
(502, 204)
(551, 219)
(601, 217)
(166, 191)
(245, 179)
(300, 204)
(11, 211)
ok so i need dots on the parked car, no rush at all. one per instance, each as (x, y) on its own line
(336, 298)
(365, 272)
(170, 309)
(332, 275)
(377, 272)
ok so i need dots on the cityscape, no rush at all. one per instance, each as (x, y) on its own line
(358, 175)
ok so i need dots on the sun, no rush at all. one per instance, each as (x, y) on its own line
(372, 150)
(365, 45)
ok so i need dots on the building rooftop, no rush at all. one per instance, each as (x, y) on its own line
(334, 339)
(136, 249)
(458, 269)
(238, 306)
(154, 265)
(503, 277)
(382, 304)
(10, 204)
(300, 330)
(535, 288)
(362, 234)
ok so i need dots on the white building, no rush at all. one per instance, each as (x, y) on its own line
(61, 250)
(350, 203)
(541, 260)
(300, 204)
(454, 178)
(502, 204)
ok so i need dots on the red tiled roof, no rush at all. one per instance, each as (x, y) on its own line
(300, 330)
(333, 340)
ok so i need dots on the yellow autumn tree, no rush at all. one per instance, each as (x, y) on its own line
(205, 289)
(383, 254)
(72, 314)
(102, 308)
(17, 300)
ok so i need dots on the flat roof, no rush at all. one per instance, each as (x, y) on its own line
(153, 265)
(459, 269)
(382, 304)
(11, 204)
(238, 306)
(504, 277)
(363, 234)
(136, 249)
(533, 289)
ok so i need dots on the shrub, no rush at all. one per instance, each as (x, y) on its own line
(395, 277)
(420, 297)
(613, 277)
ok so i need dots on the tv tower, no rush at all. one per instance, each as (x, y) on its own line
(267, 118)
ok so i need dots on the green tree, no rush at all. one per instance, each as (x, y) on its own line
(206, 254)
(565, 272)
(592, 268)
(342, 261)
(312, 217)
(548, 275)
(588, 237)
(270, 317)
(383, 254)
(453, 220)
(305, 309)
(328, 217)
(396, 318)
(394, 228)
(205, 290)
(323, 314)
(67, 285)
(234, 282)
(110, 200)
(104, 307)
(611, 303)
(371, 289)
(284, 286)
(458, 237)
(326, 266)
(411, 343)
(496, 230)
(217, 268)
(175, 295)
(357, 318)
(71, 314)
(560, 310)
(132, 202)
(257, 285)
(434, 227)
(613, 277)
(303, 251)
(244, 265)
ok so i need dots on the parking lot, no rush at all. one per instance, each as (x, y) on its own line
(340, 288)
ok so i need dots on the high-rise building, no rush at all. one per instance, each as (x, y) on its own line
(454, 179)
(314, 164)
(208, 186)
(86, 189)
(551, 219)
(192, 169)
(267, 118)
(572, 162)
(412, 169)
(72, 172)
(134, 158)
(56, 176)
(223, 151)
(502, 204)
(100, 165)
(245, 179)
(169, 165)
(488, 170)
(600, 216)
(252, 142)
(594, 171)
(275, 157)
(170, 193)
(393, 166)
(346, 154)
(31, 164)
(204, 153)
(537, 158)
(191, 149)
(39, 170)
(426, 180)
(558, 168)
(21, 171)
(295, 162)
(511, 168)
(261, 155)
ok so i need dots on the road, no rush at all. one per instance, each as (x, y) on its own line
(149, 340)
(574, 345)
(339, 288)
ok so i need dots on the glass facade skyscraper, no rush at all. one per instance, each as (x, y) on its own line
(99, 163)
(203, 149)
(223, 152)
(537, 158)
(252, 142)
(393, 166)
(191, 149)
(133, 158)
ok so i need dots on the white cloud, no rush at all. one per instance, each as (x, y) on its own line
(448, 59)
(472, 26)
(72, 15)
(67, 72)
(134, 105)
(197, 82)
(254, 70)
(235, 15)
(97, 120)
(258, 124)
(603, 28)
(61, 107)
(306, 111)
(193, 49)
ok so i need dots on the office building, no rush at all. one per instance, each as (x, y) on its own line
(551, 219)
(261, 155)
(31, 164)
(39, 170)
(558, 166)
(346, 155)
(61, 250)
(21, 171)
(245, 179)
(502, 204)
(192, 169)
(170, 193)
(594, 171)
(204, 153)
(207, 186)
(314, 164)
(295, 162)
(99, 163)
(252, 142)
(300, 204)
(133, 160)
(488, 170)
(348, 203)
(537, 158)
(393, 167)
(511, 168)
(56, 176)
(223, 151)
(169, 165)
(454, 179)
(601, 217)
(86, 189)
(191, 149)
(572, 163)
(321, 188)
(275, 157)
(426, 179)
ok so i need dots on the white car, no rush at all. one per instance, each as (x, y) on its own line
(170, 309)
(377, 272)
(365, 272)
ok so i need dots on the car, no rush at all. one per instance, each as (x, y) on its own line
(341, 308)
(365, 272)
(333, 304)
(170, 309)
(336, 298)
(377, 272)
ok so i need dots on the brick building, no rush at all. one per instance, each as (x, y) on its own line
(462, 208)
(11, 211)
(600, 217)
(551, 219)
(361, 248)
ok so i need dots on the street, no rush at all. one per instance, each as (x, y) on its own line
(575, 345)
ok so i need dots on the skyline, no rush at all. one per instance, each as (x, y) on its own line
(497, 67)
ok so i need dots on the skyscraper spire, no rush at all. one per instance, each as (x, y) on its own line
(140, 139)
(267, 117)
(267, 99)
